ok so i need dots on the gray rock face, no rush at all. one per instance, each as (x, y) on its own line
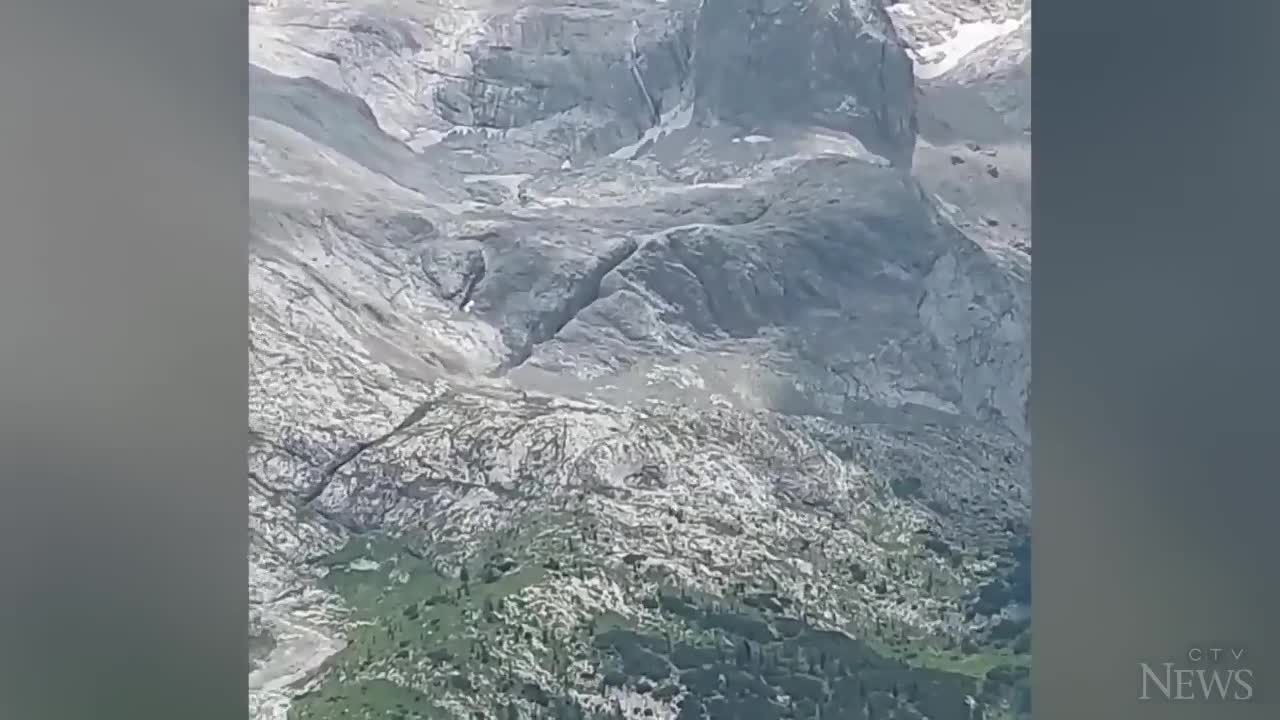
(834, 63)
(619, 297)
(975, 130)
(535, 61)
(818, 292)
(986, 98)
(930, 23)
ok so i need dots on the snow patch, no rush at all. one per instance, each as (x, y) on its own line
(426, 139)
(511, 182)
(827, 142)
(675, 119)
(552, 201)
(461, 131)
(950, 209)
(711, 185)
(937, 60)
(903, 9)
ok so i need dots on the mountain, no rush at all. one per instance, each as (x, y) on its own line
(639, 358)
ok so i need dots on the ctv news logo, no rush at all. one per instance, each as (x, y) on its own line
(1208, 674)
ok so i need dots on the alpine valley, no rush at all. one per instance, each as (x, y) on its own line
(639, 359)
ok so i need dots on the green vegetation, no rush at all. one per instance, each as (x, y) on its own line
(412, 623)
(419, 633)
(366, 699)
(975, 665)
(744, 664)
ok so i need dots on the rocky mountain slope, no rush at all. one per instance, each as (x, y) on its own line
(639, 358)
